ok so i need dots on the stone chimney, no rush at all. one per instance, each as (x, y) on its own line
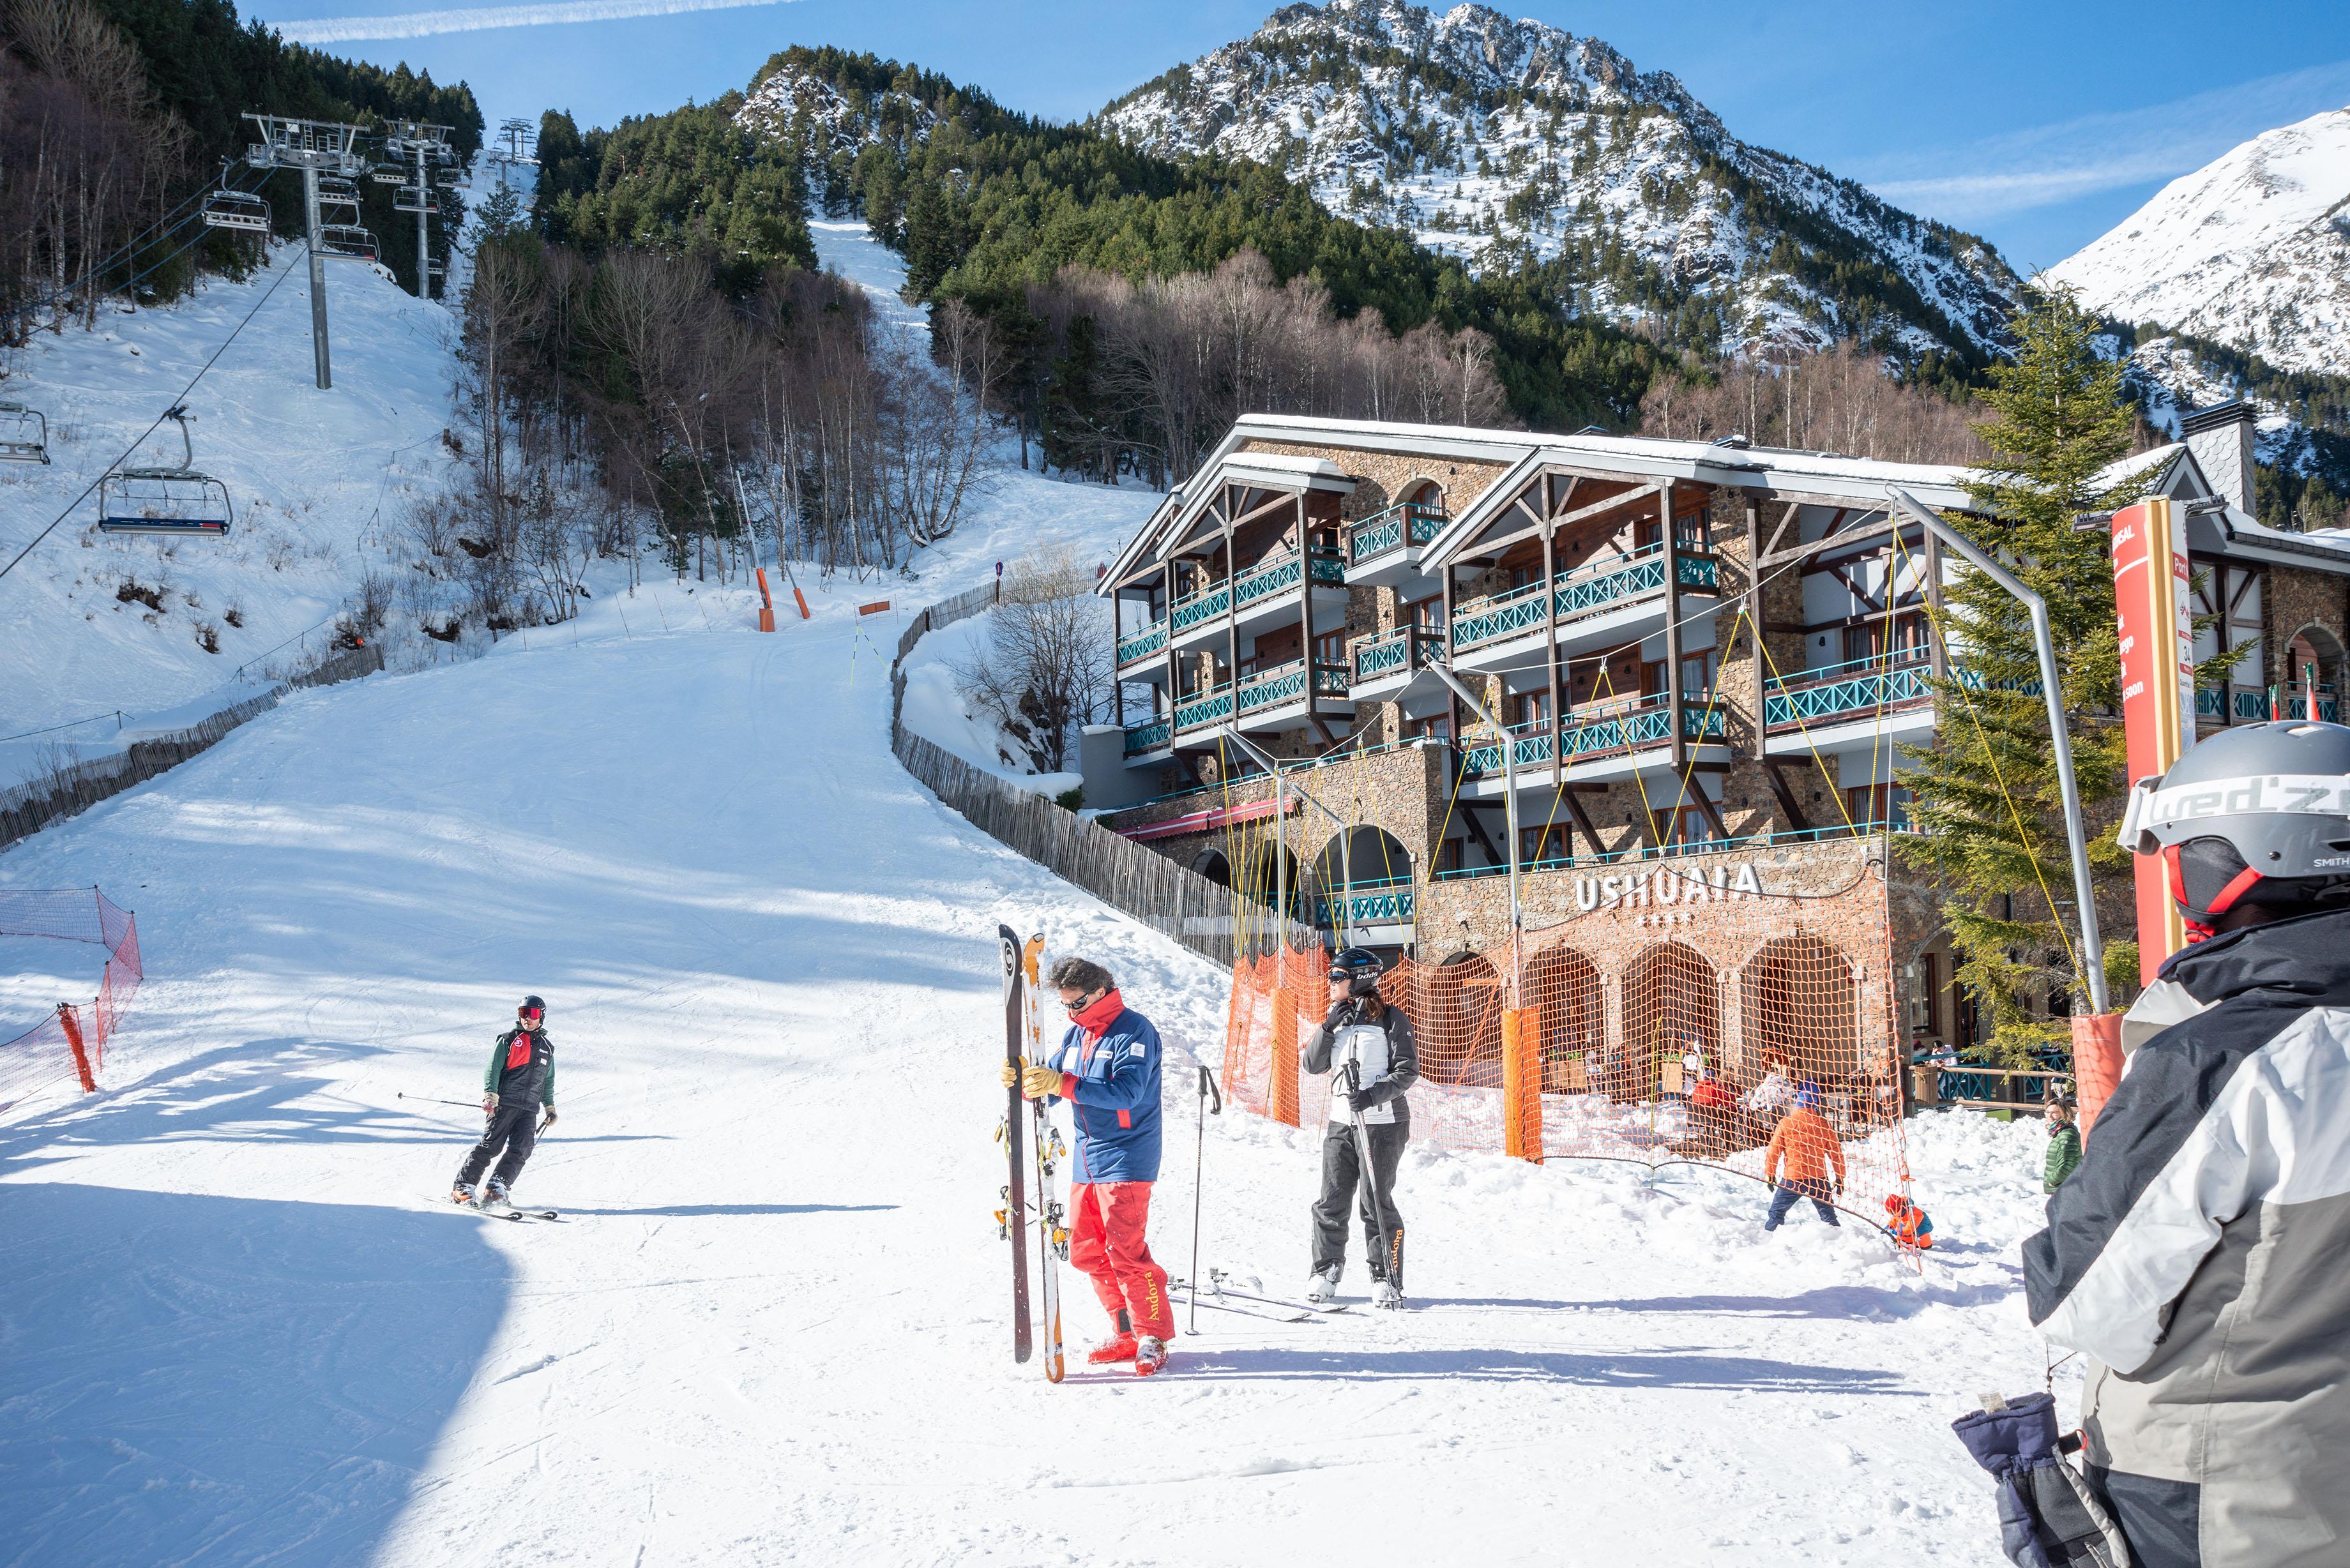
(2220, 437)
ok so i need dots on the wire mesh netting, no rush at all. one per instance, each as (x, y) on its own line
(71, 1042)
(1684, 1023)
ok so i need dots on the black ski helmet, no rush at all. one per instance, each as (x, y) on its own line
(2259, 814)
(1359, 967)
(533, 1005)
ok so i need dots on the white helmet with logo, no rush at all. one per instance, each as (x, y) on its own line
(2259, 814)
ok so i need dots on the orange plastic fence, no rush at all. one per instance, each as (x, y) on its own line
(1679, 1023)
(71, 1041)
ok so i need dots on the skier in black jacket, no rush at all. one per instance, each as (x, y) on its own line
(1378, 1039)
(520, 1081)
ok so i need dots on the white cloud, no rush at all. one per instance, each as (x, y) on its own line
(2074, 158)
(324, 30)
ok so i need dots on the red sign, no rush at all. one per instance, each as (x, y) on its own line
(1202, 821)
(2154, 621)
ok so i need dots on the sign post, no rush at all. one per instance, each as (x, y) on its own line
(2157, 628)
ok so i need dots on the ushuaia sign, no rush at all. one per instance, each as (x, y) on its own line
(1667, 885)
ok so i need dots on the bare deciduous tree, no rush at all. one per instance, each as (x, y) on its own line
(1044, 667)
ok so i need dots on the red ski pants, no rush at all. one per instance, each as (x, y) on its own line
(1106, 1240)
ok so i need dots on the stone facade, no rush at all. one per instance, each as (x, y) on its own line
(2295, 601)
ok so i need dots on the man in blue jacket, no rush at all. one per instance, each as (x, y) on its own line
(1107, 1067)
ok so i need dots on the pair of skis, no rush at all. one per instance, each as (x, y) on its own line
(1223, 1294)
(1020, 982)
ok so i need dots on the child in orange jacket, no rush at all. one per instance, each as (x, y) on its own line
(1801, 1154)
(1908, 1223)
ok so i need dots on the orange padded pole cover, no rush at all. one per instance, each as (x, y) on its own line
(1522, 1084)
(73, 1038)
(2096, 1063)
(1280, 1086)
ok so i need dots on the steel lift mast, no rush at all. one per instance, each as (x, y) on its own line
(313, 147)
(426, 147)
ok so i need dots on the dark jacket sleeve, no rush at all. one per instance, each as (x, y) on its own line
(547, 1084)
(497, 1063)
(1403, 1063)
(1314, 1058)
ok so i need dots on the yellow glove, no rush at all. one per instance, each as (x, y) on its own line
(1010, 1075)
(1037, 1083)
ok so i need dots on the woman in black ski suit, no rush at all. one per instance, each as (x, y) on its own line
(1378, 1039)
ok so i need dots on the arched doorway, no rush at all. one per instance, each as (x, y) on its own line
(1268, 869)
(1380, 869)
(1671, 999)
(1212, 865)
(1564, 985)
(2312, 676)
(1458, 1022)
(1796, 998)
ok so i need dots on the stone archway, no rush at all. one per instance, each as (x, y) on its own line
(1563, 984)
(1461, 1004)
(1215, 866)
(2313, 652)
(1797, 1000)
(1671, 997)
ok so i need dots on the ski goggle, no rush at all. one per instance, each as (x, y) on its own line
(533, 1013)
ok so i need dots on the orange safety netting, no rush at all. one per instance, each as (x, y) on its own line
(1680, 1022)
(70, 1042)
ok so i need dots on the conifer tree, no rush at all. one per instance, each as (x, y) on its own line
(1987, 794)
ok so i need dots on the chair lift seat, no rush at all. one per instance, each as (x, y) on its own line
(24, 434)
(173, 501)
(227, 209)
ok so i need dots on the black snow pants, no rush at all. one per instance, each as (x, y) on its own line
(515, 1129)
(1342, 1184)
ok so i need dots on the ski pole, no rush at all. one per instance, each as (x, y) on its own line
(1370, 1171)
(1198, 1158)
(428, 1100)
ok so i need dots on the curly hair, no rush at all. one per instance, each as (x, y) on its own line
(1081, 975)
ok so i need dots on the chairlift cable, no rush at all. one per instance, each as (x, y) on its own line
(169, 221)
(176, 403)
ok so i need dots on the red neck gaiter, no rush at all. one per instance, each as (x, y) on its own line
(1097, 1018)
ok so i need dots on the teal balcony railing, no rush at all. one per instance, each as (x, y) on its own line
(1412, 523)
(1204, 708)
(1382, 654)
(1204, 606)
(1622, 730)
(1271, 688)
(2250, 704)
(1838, 692)
(1589, 589)
(1151, 737)
(1152, 639)
(2293, 700)
(1367, 904)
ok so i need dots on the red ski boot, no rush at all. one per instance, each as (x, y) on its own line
(1150, 1355)
(1112, 1351)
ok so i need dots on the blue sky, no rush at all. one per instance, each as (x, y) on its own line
(2040, 125)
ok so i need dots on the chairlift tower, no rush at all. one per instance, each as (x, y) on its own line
(315, 148)
(520, 146)
(427, 149)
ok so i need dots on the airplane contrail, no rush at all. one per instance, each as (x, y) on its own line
(421, 24)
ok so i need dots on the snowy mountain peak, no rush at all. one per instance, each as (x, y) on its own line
(2252, 250)
(1511, 142)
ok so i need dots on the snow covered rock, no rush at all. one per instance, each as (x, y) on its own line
(2252, 250)
(1497, 139)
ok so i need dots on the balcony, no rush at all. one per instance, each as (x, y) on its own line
(1382, 664)
(1142, 740)
(1586, 605)
(1152, 639)
(1256, 593)
(1383, 549)
(1381, 903)
(1837, 694)
(1616, 732)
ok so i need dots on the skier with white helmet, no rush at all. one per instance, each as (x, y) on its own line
(1375, 1040)
(2197, 1254)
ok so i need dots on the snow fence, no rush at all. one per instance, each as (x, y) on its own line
(71, 1042)
(34, 804)
(1639, 1031)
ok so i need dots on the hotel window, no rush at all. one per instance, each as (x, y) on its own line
(1906, 636)
(1532, 708)
(1426, 614)
(1435, 727)
(1697, 671)
(1536, 845)
(1330, 649)
(1877, 805)
(1688, 825)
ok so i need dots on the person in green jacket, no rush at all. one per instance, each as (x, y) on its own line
(2064, 1143)
(520, 1081)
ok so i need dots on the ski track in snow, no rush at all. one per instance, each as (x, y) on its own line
(771, 1325)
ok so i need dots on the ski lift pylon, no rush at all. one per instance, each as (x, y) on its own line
(170, 502)
(24, 434)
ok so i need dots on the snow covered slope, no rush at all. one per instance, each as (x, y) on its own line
(1485, 135)
(772, 1326)
(2252, 250)
(319, 482)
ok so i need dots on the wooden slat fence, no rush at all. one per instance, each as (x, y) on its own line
(1171, 900)
(34, 804)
